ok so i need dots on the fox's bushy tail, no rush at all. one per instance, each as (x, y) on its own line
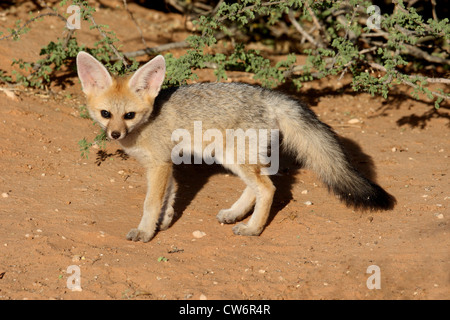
(317, 147)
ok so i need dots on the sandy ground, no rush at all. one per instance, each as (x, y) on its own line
(59, 210)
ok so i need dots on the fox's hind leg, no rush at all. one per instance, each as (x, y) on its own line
(167, 212)
(263, 190)
(239, 209)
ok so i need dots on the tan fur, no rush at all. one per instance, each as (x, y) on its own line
(157, 115)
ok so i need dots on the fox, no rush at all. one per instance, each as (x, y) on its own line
(136, 112)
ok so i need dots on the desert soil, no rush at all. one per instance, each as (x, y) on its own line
(58, 209)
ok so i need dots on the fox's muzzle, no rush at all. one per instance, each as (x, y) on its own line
(115, 134)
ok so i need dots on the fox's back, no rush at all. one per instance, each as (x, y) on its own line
(219, 105)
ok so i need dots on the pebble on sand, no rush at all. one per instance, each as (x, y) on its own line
(198, 234)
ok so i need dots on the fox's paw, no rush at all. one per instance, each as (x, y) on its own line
(243, 229)
(225, 216)
(139, 235)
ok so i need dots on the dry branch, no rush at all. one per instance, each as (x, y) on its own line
(28, 22)
(155, 50)
(302, 31)
(111, 46)
(135, 22)
(415, 86)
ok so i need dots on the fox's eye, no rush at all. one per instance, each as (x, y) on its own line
(105, 114)
(129, 115)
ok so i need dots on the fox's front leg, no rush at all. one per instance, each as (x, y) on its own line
(158, 178)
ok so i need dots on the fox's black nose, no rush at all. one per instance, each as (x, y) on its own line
(115, 134)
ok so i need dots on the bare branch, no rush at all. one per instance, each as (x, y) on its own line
(111, 46)
(434, 93)
(433, 10)
(155, 50)
(438, 80)
(316, 22)
(415, 86)
(415, 51)
(135, 22)
(408, 49)
(302, 31)
(17, 32)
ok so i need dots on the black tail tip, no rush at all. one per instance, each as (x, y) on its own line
(381, 200)
(371, 198)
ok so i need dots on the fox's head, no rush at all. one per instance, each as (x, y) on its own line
(122, 104)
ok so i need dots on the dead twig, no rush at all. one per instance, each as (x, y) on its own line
(415, 86)
(433, 10)
(135, 22)
(48, 14)
(302, 31)
(317, 23)
(155, 50)
(407, 48)
(111, 46)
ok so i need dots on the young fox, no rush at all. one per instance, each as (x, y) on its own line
(142, 117)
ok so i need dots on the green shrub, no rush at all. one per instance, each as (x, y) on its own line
(334, 35)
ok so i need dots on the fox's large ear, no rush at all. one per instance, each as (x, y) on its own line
(93, 75)
(149, 78)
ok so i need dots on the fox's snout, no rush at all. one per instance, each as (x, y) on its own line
(115, 135)
(116, 127)
(118, 124)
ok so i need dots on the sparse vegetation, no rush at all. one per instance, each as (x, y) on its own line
(403, 42)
